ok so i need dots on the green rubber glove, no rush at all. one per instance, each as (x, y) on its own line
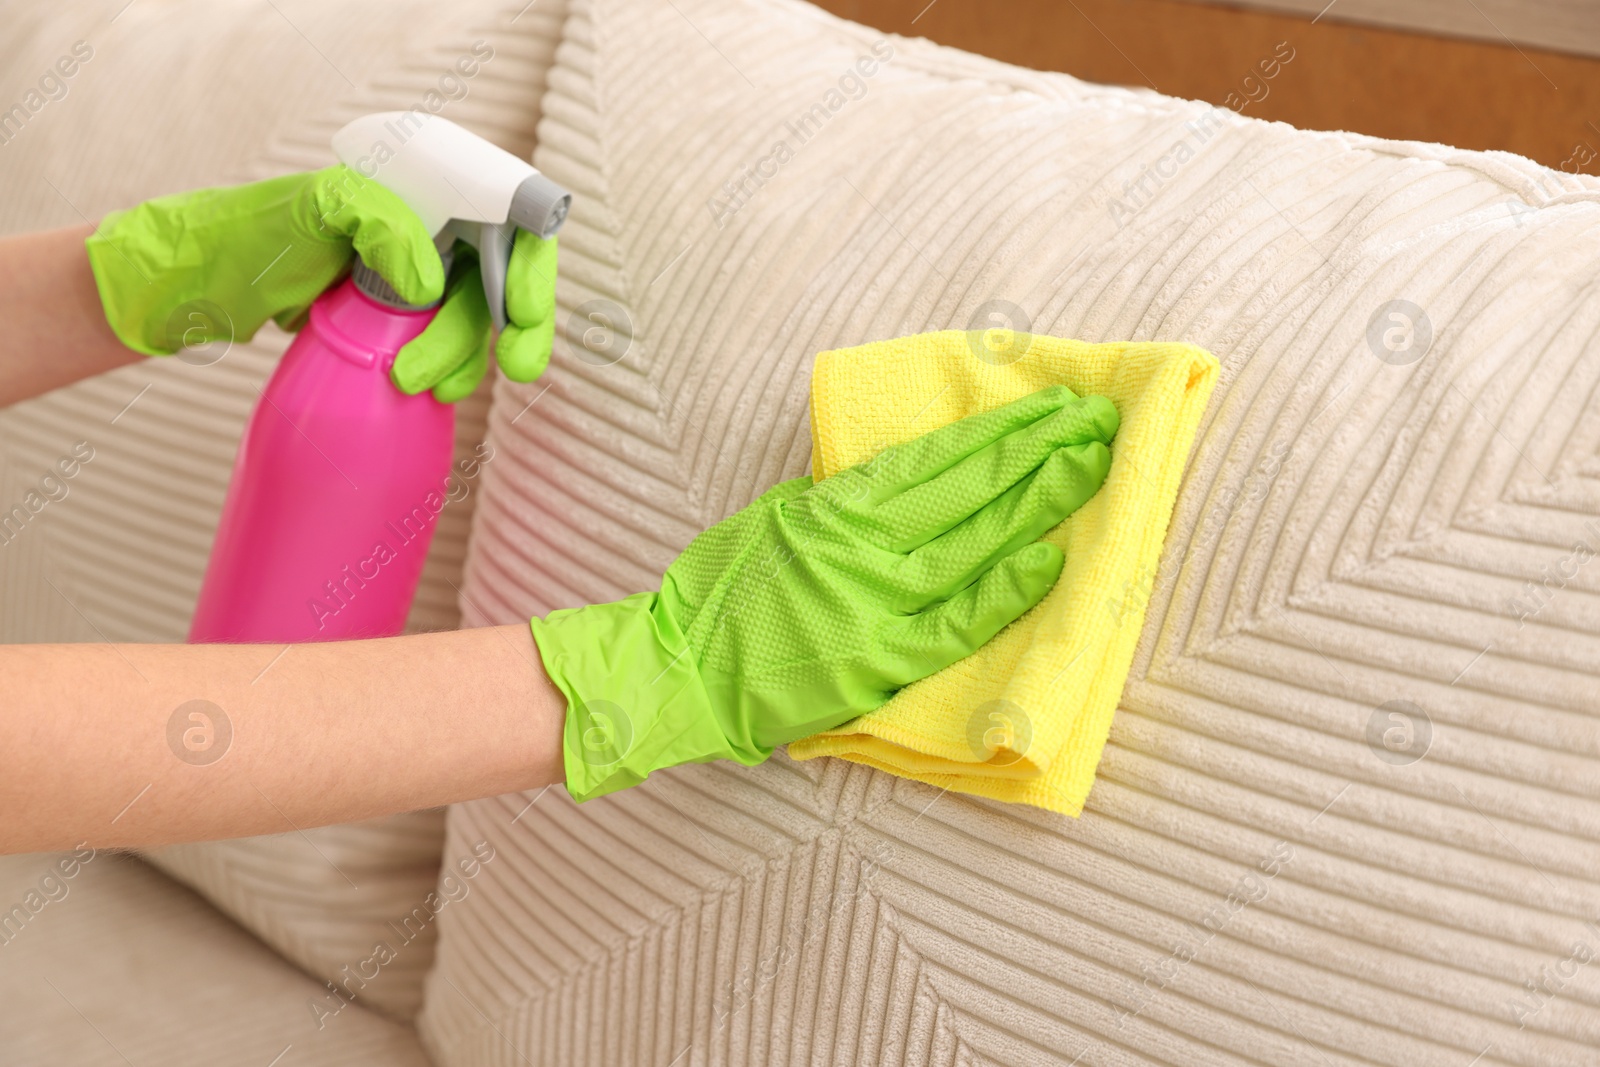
(244, 254)
(216, 264)
(452, 354)
(818, 601)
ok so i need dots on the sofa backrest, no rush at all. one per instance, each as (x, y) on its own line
(1331, 825)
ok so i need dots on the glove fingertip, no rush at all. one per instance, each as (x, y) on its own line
(463, 381)
(404, 382)
(524, 353)
(1058, 395)
(1107, 420)
(1037, 567)
(453, 389)
(1093, 458)
(418, 279)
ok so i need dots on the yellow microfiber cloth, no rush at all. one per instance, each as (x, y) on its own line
(1025, 718)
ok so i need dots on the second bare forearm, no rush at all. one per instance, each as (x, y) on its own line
(150, 744)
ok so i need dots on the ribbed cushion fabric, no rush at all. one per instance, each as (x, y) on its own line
(110, 963)
(1265, 871)
(326, 897)
(178, 95)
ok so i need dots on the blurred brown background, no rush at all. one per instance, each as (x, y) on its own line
(1471, 73)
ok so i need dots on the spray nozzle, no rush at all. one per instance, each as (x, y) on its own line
(460, 186)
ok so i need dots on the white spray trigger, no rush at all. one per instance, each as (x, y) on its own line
(454, 179)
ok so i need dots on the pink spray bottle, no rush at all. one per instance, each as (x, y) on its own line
(340, 477)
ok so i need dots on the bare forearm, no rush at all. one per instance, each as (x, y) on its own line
(101, 743)
(53, 330)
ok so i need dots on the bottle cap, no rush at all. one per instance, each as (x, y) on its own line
(372, 285)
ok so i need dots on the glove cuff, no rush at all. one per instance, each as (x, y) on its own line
(635, 699)
(123, 287)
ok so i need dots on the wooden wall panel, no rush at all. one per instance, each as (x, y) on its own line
(1557, 25)
(1392, 83)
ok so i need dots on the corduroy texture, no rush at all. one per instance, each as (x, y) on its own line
(323, 898)
(110, 964)
(1025, 717)
(1256, 880)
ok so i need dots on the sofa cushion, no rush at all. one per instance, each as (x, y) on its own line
(120, 558)
(1351, 801)
(104, 961)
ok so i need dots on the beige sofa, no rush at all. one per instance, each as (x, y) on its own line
(1378, 537)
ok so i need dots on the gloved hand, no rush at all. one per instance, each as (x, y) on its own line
(452, 354)
(217, 263)
(818, 601)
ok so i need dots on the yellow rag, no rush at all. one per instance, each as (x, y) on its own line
(1024, 718)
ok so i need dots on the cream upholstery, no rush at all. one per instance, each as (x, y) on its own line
(119, 965)
(1267, 872)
